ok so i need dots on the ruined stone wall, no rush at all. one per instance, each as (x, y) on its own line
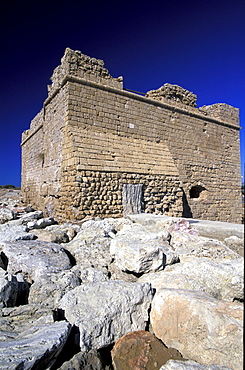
(98, 137)
(205, 150)
(42, 147)
(96, 166)
(32, 159)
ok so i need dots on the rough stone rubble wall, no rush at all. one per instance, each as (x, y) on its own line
(97, 137)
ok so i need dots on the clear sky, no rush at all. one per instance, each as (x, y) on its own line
(199, 45)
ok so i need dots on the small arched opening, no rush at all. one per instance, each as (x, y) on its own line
(196, 191)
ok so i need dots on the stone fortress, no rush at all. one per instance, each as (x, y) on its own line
(96, 149)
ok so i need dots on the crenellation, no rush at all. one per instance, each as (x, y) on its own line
(92, 138)
(174, 93)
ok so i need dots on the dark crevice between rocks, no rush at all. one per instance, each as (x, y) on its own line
(105, 354)
(148, 323)
(70, 348)
(59, 314)
(5, 261)
(23, 293)
(136, 274)
(241, 300)
(71, 257)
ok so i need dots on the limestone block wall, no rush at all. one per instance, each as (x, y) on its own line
(42, 155)
(33, 153)
(97, 137)
(205, 149)
(96, 165)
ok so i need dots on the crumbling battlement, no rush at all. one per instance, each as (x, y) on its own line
(223, 112)
(97, 149)
(173, 93)
(76, 64)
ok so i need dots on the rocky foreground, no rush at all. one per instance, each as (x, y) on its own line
(142, 292)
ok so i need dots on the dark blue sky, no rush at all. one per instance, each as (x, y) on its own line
(199, 45)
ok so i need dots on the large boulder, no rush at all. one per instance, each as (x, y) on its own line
(141, 350)
(91, 245)
(139, 251)
(191, 365)
(34, 257)
(30, 338)
(202, 328)
(15, 320)
(222, 279)
(11, 233)
(50, 287)
(230, 234)
(51, 236)
(91, 360)
(35, 348)
(105, 311)
(41, 223)
(93, 228)
(89, 275)
(210, 229)
(236, 244)
(217, 229)
(91, 248)
(187, 246)
(69, 229)
(6, 215)
(30, 216)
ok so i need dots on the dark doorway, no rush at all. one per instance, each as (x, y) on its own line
(186, 208)
(196, 190)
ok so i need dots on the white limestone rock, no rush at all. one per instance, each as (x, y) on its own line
(31, 216)
(116, 273)
(191, 365)
(41, 223)
(71, 230)
(57, 236)
(222, 279)
(105, 311)
(15, 320)
(137, 250)
(37, 347)
(89, 275)
(200, 327)
(187, 246)
(49, 288)
(33, 258)
(91, 250)
(9, 198)
(217, 229)
(9, 232)
(156, 222)
(6, 215)
(236, 244)
(100, 227)
(119, 223)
